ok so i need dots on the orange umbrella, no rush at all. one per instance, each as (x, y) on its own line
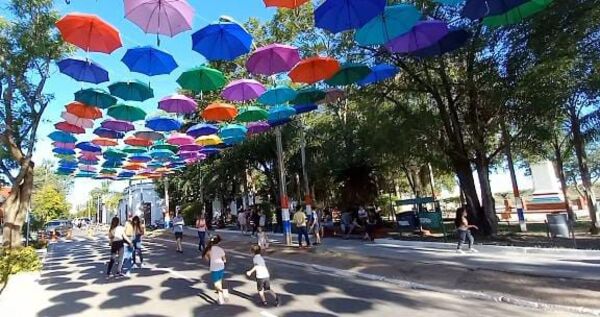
(313, 69)
(135, 141)
(133, 166)
(83, 111)
(219, 112)
(89, 32)
(104, 142)
(290, 4)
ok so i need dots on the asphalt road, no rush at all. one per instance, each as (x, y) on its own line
(73, 283)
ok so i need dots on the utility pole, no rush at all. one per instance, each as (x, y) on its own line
(285, 211)
(307, 196)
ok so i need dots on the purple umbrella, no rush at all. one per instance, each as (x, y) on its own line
(167, 17)
(272, 59)
(188, 155)
(424, 34)
(190, 148)
(243, 90)
(117, 125)
(258, 127)
(178, 104)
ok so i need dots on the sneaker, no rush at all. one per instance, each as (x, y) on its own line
(276, 300)
(459, 251)
(473, 250)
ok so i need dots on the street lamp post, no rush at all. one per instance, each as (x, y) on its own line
(307, 196)
(285, 211)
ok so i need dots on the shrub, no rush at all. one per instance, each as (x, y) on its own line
(17, 260)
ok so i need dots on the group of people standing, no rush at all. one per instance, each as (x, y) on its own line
(125, 245)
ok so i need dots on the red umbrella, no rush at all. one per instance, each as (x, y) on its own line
(135, 141)
(104, 142)
(89, 32)
(83, 111)
(219, 112)
(290, 4)
(67, 127)
(314, 69)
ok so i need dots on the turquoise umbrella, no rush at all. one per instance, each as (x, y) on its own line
(348, 74)
(131, 90)
(308, 95)
(394, 21)
(95, 97)
(277, 96)
(281, 113)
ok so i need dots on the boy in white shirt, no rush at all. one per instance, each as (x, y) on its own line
(262, 276)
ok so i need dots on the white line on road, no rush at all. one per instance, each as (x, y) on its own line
(267, 314)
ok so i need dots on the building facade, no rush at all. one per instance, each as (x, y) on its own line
(141, 199)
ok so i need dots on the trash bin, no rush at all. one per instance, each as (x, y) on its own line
(406, 220)
(558, 225)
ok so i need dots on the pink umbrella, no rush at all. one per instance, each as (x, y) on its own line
(89, 157)
(257, 127)
(87, 168)
(188, 155)
(63, 145)
(243, 90)
(88, 154)
(117, 125)
(75, 120)
(272, 59)
(180, 139)
(178, 104)
(167, 17)
(190, 148)
(67, 127)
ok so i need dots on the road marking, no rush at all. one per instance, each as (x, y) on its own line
(267, 314)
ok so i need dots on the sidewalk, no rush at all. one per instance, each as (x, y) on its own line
(535, 279)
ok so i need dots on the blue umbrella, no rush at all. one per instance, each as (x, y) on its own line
(477, 9)
(61, 136)
(274, 123)
(232, 140)
(341, 15)
(65, 171)
(233, 130)
(112, 164)
(87, 162)
(222, 41)
(201, 129)
(149, 61)
(88, 146)
(452, 41)
(209, 150)
(108, 133)
(160, 154)
(379, 73)
(67, 164)
(300, 109)
(280, 113)
(126, 174)
(85, 174)
(83, 70)
(63, 151)
(277, 96)
(163, 124)
(394, 21)
(449, 2)
(154, 164)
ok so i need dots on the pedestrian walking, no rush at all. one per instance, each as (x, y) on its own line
(370, 224)
(217, 260)
(263, 278)
(128, 254)
(178, 224)
(463, 228)
(315, 225)
(201, 227)
(241, 217)
(300, 222)
(263, 240)
(117, 238)
(255, 221)
(139, 230)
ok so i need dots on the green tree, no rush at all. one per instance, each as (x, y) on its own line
(49, 203)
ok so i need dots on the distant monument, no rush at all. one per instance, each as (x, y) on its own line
(547, 195)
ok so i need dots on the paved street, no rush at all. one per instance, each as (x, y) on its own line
(171, 284)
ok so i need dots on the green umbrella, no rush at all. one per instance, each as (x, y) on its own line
(114, 154)
(95, 97)
(308, 95)
(126, 113)
(134, 149)
(131, 90)
(165, 146)
(348, 74)
(108, 171)
(517, 14)
(252, 114)
(66, 157)
(201, 78)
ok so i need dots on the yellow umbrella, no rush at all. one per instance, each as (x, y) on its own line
(207, 140)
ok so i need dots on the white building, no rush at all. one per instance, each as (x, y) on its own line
(141, 200)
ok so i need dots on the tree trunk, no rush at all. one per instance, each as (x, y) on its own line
(488, 220)
(586, 180)
(15, 209)
(563, 179)
(463, 171)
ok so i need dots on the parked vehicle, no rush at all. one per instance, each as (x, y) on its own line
(60, 227)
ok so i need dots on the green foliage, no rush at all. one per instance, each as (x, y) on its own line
(49, 203)
(191, 211)
(13, 261)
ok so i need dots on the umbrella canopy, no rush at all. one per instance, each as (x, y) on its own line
(449, 2)
(379, 73)
(133, 166)
(64, 145)
(222, 41)
(279, 113)
(89, 32)
(188, 155)
(202, 129)
(149, 61)
(163, 124)
(104, 142)
(149, 135)
(300, 109)
(134, 149)
(274, 123)
(341, 15)
(114, 154)
(272, 59)
(290, 4)
(165, 146)
(251, 114)
(136, 141)
(140, 158)
(180, 139)
(126, 113)
(424, 34)
(394, 21)
(83, 111)
(61, 136)
(232, 130)
(108, 133)
(87, 168)
(190, 148)
(166, 17)
(517, 14)
(67, 127)
(160, 154)
(277, 96)
(75, 120)
(112, 163)
(131, 90)
(95, 97)
(117, 125)
(477, 9)
(63, 151)
(348, 74)
(333, 95)
(232, 140)
(308, 95)
(243, 90)
(219, 112)
(178, 104)
(257, 127)
(201, 78)
(209, 150)
(314, 69)
(454, 40)
(208, 140)
(83, 70)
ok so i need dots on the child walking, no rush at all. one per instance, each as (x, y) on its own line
(463, 229)
(263, 241)
(216, 256)
(263, 283)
